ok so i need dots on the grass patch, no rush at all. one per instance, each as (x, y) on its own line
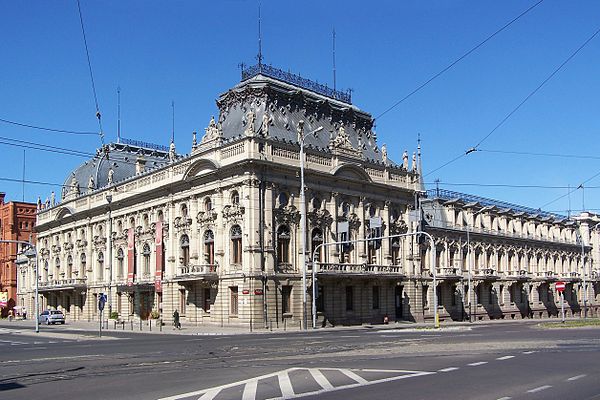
(575, 323)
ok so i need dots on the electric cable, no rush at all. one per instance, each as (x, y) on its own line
(452, 64)
(6, 121)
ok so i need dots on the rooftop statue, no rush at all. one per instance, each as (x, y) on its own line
(172, 153)
(250, 118)
(212, 131)
(266, 121)
(111, 176)
(405, 160)
(342, 139)
(384, 153)
(414, 162)
(91, 184)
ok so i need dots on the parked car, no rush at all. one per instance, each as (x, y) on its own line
(51, 317)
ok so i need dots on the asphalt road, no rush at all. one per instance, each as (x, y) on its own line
(491, 361)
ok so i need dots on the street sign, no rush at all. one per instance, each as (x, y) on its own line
(560, 286)
(101, 301)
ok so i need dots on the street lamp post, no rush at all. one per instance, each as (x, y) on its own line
(109, 200)
(436, 322)
(301, 137)
(30, 255)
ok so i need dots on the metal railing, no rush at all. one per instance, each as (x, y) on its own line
(374, 269)
(202, 269)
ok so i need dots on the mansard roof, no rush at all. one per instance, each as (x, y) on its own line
(121, 158)
(271, 108)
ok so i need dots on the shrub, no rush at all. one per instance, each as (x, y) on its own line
(114, 315)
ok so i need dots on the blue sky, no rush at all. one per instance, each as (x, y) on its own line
(188, 52)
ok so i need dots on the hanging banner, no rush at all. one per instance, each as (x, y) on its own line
(130, 256)
(3, 299)
(158, 241)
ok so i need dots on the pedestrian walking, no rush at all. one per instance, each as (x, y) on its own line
(24, 311)
(10, 315)
(176, 323)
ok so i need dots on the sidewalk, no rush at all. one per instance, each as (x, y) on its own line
(85, 327)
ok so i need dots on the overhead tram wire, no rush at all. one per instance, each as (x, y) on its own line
(44, 147)
(514, 110)
(459, 59)
(87, 53)
(526, 153)
(6, 121)
(580, 186)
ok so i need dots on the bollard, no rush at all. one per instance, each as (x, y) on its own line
(115, 327)
(140, 324)
(285, 324)
(150, 324)
(160, 324)
(132, 325)
(271, 325)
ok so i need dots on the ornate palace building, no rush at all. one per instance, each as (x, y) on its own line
(216, 234)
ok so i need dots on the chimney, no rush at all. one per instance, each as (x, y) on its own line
(140, 165)
(2, 194)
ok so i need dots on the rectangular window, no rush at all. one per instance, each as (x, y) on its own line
(236, 251)
(182, 301)
(119, 302)
(375, 297)
(349, 298)
(206, 299)
(286, 299)
(233, 297)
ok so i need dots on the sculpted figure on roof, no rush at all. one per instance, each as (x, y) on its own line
(211, 131)
(342, 139)
(250, 118)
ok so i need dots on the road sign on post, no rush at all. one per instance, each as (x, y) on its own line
(560, 286)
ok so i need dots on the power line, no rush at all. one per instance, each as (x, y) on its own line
(572, 190)
(43, 147)
(87, 53)
(506, 185)
(527, 153)
(452, 64)
(514, 110)
(6, 121)
(538, 87)
(447, 163)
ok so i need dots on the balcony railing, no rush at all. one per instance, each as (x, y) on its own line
(198, 271)
(58, 283)
(360, 269)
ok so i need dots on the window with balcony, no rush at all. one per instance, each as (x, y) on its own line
(283, 245)
(146, 259)
(184, 244)
(209, 247)
(120, 262)
(236, 245)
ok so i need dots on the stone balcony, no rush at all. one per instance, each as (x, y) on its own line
(489, 274)
(518, 275)
(196, 272)
(337, 269)
(448, 273)
(62, 284)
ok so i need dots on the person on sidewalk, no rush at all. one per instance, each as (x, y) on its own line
(176, 323)
(10, 315)
(24, 312)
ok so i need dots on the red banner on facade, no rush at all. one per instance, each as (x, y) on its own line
(158, 241)
(130, 256)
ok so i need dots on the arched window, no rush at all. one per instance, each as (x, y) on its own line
(345, 208)
(120, 262)
(395, 250)
(207, 204)
(69, 266)
(82, 264)
(100, 270)
(235, 198)
(146, 259)
(185, 250)
(57, 267)
(315, 240)
(236, 244)
(283, 200)
(209, 247)
(184, 211)
(283, 245)
(316, 203)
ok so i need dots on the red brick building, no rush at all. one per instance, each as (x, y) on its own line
(17, 221)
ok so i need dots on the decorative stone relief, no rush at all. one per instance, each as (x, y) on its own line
(320, 218)
(211, 132)
(233, 213)
(287, 215)
(206, 217)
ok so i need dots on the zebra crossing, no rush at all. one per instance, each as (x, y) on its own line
(10, 337)
(298, 382)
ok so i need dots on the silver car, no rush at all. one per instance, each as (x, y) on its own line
(51, 317)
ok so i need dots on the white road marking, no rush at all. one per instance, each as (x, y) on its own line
(539, 389)
(574, 378)
(476, 364)
(528, 352)
(53, 358)
(353, 376)
(448, 369)
(349, 336)
(250, 390)
(505, 358)
(505, 398)
(287, 389)
(320, 378)
(285, 384)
